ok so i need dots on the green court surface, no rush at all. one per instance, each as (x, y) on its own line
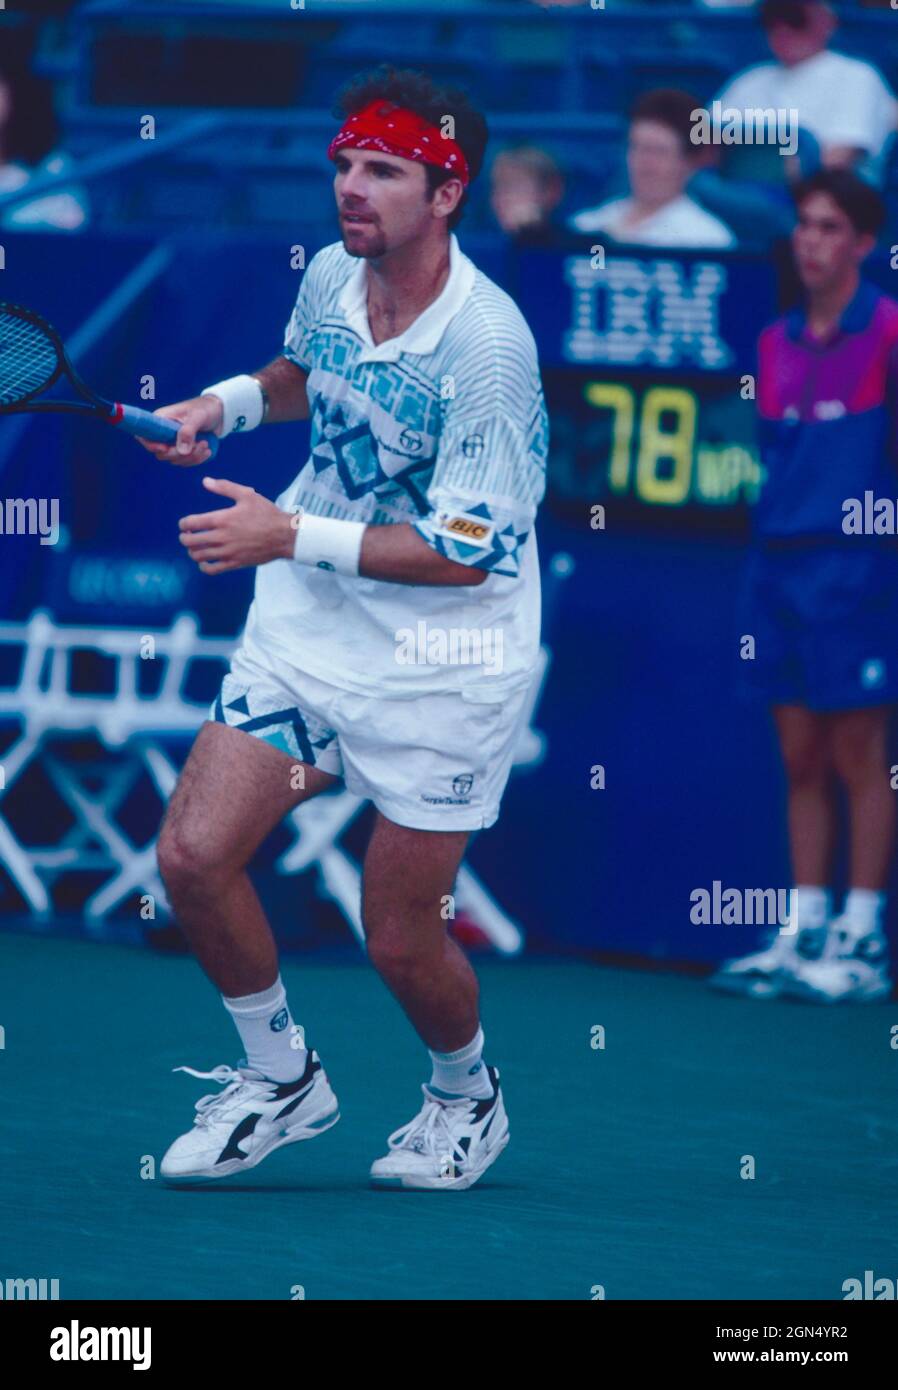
(623, 1168)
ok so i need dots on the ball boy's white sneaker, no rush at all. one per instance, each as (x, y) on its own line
(853, 969)
(763, 974)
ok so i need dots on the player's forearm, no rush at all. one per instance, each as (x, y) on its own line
(395, 554)
(285, 385)
(398, 555)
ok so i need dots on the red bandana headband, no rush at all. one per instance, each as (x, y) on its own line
(381, 125)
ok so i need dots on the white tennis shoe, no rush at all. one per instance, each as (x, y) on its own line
(763, 974)
(448, 1145)
(236, 1128)
(853, 969)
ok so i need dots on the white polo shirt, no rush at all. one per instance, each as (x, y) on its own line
(443, 427)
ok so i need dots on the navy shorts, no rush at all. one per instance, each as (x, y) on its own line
(825, 625)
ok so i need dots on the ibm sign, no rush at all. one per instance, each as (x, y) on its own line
(642, 313)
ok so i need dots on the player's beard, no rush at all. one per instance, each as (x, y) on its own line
(367, 246)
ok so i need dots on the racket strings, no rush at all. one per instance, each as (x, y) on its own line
(28, 358)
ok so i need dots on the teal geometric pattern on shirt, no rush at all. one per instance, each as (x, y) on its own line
(362, 463)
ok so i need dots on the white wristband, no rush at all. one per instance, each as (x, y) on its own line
(327, 543)
(242, 401)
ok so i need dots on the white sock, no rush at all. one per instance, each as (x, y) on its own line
(863, 911)
(462, 1073)
(268, 1033)
(811, 906)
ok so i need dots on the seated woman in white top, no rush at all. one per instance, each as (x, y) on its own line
(661, 159)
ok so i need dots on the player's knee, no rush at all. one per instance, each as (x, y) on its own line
(172, 856)
(395, 954)
(184, 862)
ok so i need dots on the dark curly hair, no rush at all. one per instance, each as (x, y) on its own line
(419, 93)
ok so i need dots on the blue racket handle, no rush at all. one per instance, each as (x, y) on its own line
(148, 426)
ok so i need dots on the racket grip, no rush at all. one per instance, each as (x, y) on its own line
(145, 425)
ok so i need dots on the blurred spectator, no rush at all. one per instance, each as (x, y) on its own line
(28, 139)
(661, 159)
(526, 187)
(842, 101)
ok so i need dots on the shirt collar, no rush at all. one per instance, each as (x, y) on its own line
(425, 332)
(855, 318)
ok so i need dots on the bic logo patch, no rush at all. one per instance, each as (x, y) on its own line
(463, 526)
(475, 530)
(279, 1022)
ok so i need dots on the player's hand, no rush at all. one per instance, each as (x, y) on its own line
(196, 416)
(252, 532)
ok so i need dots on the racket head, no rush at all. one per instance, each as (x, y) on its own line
(32, 356)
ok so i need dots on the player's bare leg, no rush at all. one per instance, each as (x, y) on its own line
(462, 1127)
(232, 791)
(408, 875)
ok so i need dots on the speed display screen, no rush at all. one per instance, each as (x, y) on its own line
(648, 363)
(688, 443)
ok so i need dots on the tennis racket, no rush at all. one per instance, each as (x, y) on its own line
(33, 359)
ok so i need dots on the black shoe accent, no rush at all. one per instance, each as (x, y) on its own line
(297, 1100)
(482, 1107)
(280, 1090)
(810, 942)
(231, 1150)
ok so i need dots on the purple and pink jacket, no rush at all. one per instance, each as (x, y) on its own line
(829, 417)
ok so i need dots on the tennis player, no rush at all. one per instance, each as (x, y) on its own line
(822, 596)
(411, 522)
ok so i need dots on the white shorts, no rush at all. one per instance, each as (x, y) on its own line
(438, 762)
